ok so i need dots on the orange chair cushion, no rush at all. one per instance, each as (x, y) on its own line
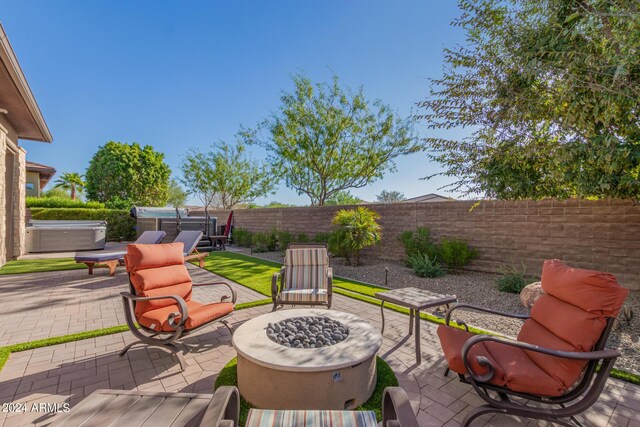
(199, 314)
(564, 370)
(513, 367)
(157, 270)
(592, 291)
(579, 328)
(142, 257)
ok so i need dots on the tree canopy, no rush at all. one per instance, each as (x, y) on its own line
(325, 139)
(128, 174)
(176, 196)
(342, 198)
(390, 196)
(225, 176)
(551, 92)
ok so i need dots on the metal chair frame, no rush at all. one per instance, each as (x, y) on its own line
(568, 405)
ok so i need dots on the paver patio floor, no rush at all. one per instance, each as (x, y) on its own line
(49, 304)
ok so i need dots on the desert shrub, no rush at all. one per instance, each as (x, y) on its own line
(513, 280)
(355, 230)
(264, 241)
(242, 237)
(424, 266)
(455, 253)
(284, 238)
(302, 238)
(120, 225)
(418, 242)
(61, 202)
(322, 238)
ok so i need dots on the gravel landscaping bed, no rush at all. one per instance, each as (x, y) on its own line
(478, 289)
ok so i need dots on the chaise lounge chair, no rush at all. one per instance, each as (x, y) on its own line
(136, 408)
(305, 278)
(160, 301)
(558, 365)
(111, 259)
(190, 241)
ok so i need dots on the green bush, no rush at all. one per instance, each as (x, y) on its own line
(513, 280)
(302, 238)
(242, 237)
(424, 266)
(355, 230)
(418, 242)
(455, 253)
(60, 202)
(120, 225)
(284, 238)
(321, 238)
(264, 241)
(118, 203)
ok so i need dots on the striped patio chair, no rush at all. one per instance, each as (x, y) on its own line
(305, 278)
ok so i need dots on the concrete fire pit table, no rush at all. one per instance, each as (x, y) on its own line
(330, 376)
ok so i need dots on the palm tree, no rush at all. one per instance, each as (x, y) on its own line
(71, 181)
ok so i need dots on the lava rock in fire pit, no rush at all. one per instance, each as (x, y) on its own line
(307, 332)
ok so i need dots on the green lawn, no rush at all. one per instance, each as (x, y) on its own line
(40, 265)
(256, 273)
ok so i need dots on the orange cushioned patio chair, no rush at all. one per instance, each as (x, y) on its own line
(553, 365)
(160, 298)
(305, 278)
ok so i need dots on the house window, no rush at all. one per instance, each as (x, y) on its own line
(30, 186)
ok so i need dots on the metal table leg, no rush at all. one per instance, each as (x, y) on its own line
(382, 311)
(418, 352)
(410, 321)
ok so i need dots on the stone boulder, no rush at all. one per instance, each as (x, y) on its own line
(530, 294)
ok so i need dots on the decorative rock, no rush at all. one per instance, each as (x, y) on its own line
(307, 332)
(530, 294)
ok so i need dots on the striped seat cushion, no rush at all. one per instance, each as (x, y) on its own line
(281, 418)
(306, 256)
(306, 277)
(304, 295)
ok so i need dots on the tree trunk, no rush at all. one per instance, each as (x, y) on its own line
(73, 192)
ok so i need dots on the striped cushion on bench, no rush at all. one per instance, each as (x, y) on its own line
(277, 418)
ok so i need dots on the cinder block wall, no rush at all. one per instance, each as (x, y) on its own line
(602, 235)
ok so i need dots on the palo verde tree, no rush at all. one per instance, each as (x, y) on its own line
(324, 140)
(551, 92)
(342, 198)
(176, 196)
(71, 182)
(226, 176)
(128, 174)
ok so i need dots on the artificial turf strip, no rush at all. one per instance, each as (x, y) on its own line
(6, 351)
(40, 265)
(228, 376)
(30, 345)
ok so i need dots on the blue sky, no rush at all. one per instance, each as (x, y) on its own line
(180, 75)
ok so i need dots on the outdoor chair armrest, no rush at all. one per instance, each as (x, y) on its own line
(396, 408)
(224, 408)
(447, 317)
(182, 307)
(483, 361)
(329, 280)
(233, 297)
(274, 282)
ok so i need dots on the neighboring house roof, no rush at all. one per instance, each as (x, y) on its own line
(45, 172)
(16, 97)
(431, 197)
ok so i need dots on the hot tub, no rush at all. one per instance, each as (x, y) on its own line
(65, 236)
